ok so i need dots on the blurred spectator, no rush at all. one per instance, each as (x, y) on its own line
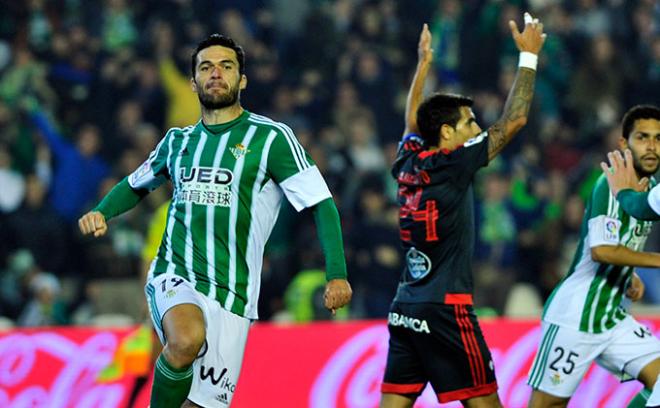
(12, 182)
(36, 227)
(78, 166)
(43, 308)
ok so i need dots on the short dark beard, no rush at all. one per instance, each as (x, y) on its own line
(222, 101)
(639, 168)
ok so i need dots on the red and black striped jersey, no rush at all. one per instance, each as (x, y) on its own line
(436, 212)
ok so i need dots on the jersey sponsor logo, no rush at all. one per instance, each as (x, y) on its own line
(420, 326)
(239, 151)
(611, 230)
(205, 186)
(419, 264)
(643, 229)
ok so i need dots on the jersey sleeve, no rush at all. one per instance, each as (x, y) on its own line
(654, 199)
(640, 204)
(154, 171)
(291, 167)
(603, 223)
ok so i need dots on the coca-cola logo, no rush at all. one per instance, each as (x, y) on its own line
(352, 376)
(71, 379)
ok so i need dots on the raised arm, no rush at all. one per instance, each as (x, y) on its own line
(517, 105)
(415, 94)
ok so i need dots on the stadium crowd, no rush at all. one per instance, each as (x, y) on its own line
(88, 88)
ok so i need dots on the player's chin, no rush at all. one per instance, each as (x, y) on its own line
(650, 167)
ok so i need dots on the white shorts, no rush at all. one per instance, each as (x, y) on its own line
(566, 354)
(216, 369)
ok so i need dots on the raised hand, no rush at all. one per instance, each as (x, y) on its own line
(621, 173)
(424, 50)
(93, 222)
(337, 294)
(532, 37)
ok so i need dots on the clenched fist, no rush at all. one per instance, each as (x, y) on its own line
(94, 222)
(337, 294)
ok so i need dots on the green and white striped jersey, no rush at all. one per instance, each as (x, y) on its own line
(589, 297)
(229, 181)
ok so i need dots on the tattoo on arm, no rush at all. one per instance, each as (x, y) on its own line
(515, 112)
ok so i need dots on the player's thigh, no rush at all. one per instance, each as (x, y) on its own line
(649, 374)
(176, 308)
(218, 366)
(563, 357)
(484, 401)
(396, 401)
(540, 399)
(633, 352)
(404, 374)
(457, 359)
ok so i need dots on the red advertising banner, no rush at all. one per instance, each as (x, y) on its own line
(318, 365)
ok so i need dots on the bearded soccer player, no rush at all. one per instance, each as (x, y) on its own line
(584, 320)
(434, 334)
(230, 172)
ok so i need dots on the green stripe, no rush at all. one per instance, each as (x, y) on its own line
(544, 352)
(586, 319)
(171, 374)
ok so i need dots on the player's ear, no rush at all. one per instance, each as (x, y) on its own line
(446, 132)
(242, 84)
(623, 143)
(193, 85)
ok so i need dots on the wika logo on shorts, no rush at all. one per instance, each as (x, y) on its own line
(221, 381)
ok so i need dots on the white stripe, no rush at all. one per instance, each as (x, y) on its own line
(171, 221)
(233, 215)
(210, 222)
(292, 138)
(255, 244)
(297, 151)
(592, 312)
(199, 149)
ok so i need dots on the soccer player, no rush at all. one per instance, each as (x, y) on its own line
(434, 334)
(622, 177)
(583, 320)
(230, 172)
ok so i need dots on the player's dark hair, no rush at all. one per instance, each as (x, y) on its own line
(638, 112)
(224, 41)
(437, 110)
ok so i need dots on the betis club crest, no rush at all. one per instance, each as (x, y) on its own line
(239, 150)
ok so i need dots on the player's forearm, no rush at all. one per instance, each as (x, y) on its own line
(622, 256)
(637, 205)
(120, 199)
(328, 226)
(415, 96)
(516, 110)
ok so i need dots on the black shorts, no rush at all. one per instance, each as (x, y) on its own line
(441, 344)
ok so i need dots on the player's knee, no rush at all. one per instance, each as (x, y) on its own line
(182, 348)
